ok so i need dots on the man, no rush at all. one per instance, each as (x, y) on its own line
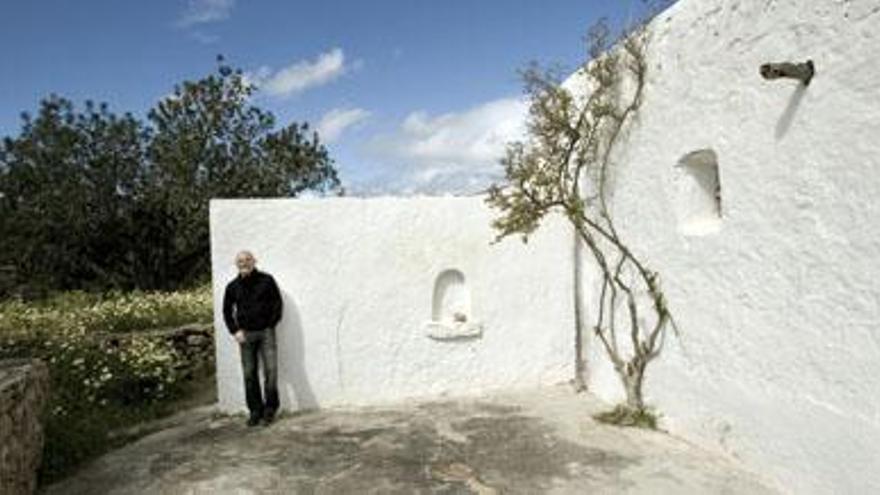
(251, 309)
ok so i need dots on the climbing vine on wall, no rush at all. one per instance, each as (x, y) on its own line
(565, 165)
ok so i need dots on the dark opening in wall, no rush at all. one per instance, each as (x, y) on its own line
(698, 193)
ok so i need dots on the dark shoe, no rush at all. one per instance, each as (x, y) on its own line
(253, 421)
(268, 419)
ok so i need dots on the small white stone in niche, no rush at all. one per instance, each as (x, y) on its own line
(453, 330)
(450, 309)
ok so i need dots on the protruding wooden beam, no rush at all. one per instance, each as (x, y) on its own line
(803, 72)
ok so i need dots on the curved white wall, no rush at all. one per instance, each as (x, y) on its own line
(358, 279)
(779, 303)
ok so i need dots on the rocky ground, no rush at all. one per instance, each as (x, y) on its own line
(531, 443)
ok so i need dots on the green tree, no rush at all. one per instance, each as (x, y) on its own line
(89, 200)
(67, 187)
(210, 142)
(565, 166)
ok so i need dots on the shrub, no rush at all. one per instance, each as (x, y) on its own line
(111, 312)
(101, 378)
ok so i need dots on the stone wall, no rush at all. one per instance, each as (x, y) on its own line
(24, 390)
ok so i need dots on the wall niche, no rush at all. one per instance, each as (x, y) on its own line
(698, 193)
(451, 315)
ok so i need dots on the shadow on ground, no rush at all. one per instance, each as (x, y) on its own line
(537, 443)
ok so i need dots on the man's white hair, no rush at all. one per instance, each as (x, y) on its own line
(246, 253)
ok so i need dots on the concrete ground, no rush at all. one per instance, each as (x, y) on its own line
(531, 443)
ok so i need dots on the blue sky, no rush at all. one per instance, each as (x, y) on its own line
(410, 96)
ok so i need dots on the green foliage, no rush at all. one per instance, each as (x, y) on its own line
(90, 200)
(623, 415)
(566, 166)
(103, 381)
(210, 142)
(66, 188)
(112, 312)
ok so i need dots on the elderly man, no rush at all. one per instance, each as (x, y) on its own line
(251, 309)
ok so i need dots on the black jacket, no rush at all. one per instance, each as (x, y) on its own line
(252, 303)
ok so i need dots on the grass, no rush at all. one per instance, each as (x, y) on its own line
(622, 415)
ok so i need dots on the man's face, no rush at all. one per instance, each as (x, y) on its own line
(245, 263)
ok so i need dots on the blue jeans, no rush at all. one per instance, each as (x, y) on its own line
(259, 346)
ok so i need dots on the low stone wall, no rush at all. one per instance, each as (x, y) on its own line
(24, 390)
(193, 341)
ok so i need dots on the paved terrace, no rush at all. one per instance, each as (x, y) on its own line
(526, 443)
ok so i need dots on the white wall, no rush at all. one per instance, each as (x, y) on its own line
(779, 303)
(357, 277)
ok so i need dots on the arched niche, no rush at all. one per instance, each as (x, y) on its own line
(452, 299)
(451, 312)
(698, 193)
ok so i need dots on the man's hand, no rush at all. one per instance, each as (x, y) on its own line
(239, 336)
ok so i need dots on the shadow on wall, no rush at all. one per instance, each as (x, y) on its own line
(293, 383)
(787, 117)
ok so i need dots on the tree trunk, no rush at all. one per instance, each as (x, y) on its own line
(632, 382)
(580, 365)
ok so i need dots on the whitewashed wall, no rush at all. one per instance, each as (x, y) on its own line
(357, 277)
(779, 299)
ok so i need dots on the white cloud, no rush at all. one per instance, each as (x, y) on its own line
(454, 152)
(336, 121)
(301, 75)
(204, 11)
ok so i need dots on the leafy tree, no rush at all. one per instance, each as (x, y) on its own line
(565, 166)
(90, 200)
(66, 196)
(210, 142)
